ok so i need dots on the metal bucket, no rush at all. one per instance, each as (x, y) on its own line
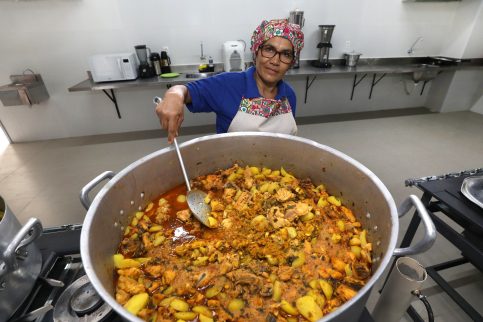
(351, 59)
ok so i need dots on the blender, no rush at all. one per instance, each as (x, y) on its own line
(145, 69)
(297, 17)
(324, 46)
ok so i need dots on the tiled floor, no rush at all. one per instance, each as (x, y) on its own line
(43, 179)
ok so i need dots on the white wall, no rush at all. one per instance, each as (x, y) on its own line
(460, 90)
(54, 38)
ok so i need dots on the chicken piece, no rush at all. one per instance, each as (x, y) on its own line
(206, 276)
(148, 244)
(132, 272)
(143, 224)
(348, 213)
(332, 303)
(241, 276)
(296, 210)
(226, 266)
(354, 282)
(284, 273)
(213, 181)
(302, 208)
(335, 274)
(227, 223)
(307, 186)
(169, 276)
(360, 270)
(122, 296)
(216, 303)
(323, 272)
(162, 213)
(345, 292)
(154, 270)
(266, 291)
(154, 286)
(132, 248)
(145, 314)
(244, 277)
(338, 264)
(277, 218)
(243, 201)
(248, 179)
(228, 195)
(197, 297)
(130, 285)
(283, 194)
(233, 168)
(217, 205)
(183, 215)
(183, 284)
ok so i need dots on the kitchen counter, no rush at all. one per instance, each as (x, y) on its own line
(371, 65)
(382, 66)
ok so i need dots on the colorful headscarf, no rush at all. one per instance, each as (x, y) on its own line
(278, 28)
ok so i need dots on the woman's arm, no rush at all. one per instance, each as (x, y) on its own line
(171, 110)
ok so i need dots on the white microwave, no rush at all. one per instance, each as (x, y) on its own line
(113, 67)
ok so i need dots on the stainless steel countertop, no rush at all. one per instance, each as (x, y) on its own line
(370, 65)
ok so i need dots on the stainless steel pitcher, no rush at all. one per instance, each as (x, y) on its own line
(20, 259)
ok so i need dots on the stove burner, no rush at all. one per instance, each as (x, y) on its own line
(85, 300)
(80, 302)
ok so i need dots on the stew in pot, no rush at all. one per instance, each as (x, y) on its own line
(280, 249)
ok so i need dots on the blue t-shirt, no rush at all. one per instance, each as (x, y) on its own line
(223, 93)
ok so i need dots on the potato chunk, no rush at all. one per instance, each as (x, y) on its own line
(137, 303)
(307, 306)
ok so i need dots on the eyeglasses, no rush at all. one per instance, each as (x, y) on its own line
(285, 56)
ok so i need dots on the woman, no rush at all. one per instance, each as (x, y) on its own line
(254, 100)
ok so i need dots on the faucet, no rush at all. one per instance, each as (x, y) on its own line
(202, 57)
(411, 49)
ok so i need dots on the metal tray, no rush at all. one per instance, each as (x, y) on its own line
(472, 188)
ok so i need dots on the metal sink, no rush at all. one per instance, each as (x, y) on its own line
(425, 72)
(201, 75)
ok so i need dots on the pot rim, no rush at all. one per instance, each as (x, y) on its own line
(110, 300)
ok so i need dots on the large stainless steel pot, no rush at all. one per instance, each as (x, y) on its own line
(136, 185)
(20, 259)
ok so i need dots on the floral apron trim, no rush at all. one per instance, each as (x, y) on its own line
(264, 106)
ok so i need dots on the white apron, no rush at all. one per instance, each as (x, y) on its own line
(264, 115)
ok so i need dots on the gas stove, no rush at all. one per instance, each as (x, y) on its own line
(63, 293)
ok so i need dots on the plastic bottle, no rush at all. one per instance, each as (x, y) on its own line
(211, 66)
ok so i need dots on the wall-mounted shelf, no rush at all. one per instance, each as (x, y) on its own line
(370, 66)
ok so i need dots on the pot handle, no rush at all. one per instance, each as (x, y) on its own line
(84, 194)
(27, 234)
(429, 229)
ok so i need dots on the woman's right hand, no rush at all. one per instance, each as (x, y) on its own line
(171, 110)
